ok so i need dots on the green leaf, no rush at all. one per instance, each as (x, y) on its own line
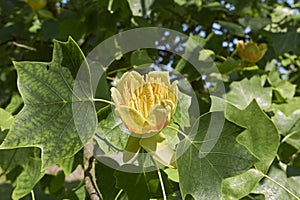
(296, 161)
(80, 193)
(171, 135)
(46, 14)
(100, 86)
(102, 113)
(287, 153)
(229, 65)
(260, 138)
(111, 135)
(289, 107)
(106, 181)
(285, 123)
(6, 119)
(283, 88)
(278, 186)
(67, 165)
(214, 41)
(244, 91)
(287, 120)
(3, 135)
(6, 190)
(28, 178)
(172, 174)
(197, 3)
(140, 57)
(183, 66)
(47, 119)
(181, 115)
(14, 104)
(233, 28)
(159, 148)
(285, 41)
(206, 55)
(132, 147)
(140, 9)
(73, 26)
(200, 172)
(292, 135)
(68, 54)
(294, 138)
(255, 24)
(141, 186)
(56, 184)
(241, 185)
(138, 21)
(13, 157)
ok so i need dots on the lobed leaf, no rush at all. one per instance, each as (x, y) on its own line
(244, 91)
(261, 138)
(6, 119)
(200, 172)
(47, 119)
(28, 178)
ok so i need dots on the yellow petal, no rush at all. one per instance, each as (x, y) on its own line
(174, 88)
(133, 120)
(173, 94)
(170, 108)
(163, 76)
(116, 96)
(158, 117)
(131, 79)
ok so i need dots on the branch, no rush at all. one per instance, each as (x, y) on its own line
(23, 46)
(92, 190)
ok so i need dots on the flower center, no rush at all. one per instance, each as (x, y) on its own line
(150, 94)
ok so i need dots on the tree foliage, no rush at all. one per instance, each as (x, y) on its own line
(43, 44)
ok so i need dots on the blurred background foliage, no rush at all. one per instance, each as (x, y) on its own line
(28, 27)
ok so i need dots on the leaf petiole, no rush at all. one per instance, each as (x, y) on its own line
(104, 101)
(119, 194)
(32, 195)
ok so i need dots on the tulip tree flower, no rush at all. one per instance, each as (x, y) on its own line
(145, 105)
(250, 51)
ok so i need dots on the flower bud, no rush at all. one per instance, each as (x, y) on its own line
(251, 51)
(37, 4)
